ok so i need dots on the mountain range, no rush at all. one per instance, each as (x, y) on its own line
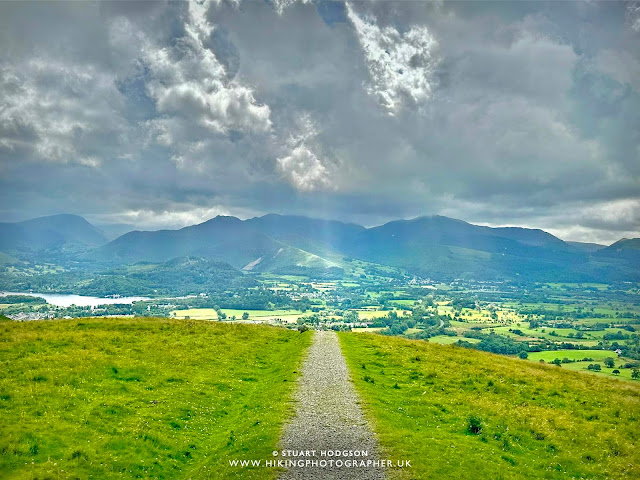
(431, 246)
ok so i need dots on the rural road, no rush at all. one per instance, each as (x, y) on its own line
(328, 418)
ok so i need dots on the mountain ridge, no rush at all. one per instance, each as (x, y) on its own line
(49, 232)
(429, 246)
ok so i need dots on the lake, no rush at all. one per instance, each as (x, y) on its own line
(64, 300)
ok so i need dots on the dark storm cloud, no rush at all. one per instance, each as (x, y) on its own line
(164, 114)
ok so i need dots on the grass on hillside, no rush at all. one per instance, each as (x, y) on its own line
(458, 413)
(448, 340)
(151, 398)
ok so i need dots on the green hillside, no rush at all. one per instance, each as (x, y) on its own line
(625, 250)
(222, 239)
(225, 239)
(53, 232)
(132, 398)
(458, 413)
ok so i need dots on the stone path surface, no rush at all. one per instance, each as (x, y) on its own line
(328, 418)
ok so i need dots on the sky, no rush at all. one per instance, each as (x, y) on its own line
(162, 115)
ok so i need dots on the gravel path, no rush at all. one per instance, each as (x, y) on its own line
(328, 418)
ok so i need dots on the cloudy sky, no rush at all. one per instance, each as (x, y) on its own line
(167, 114)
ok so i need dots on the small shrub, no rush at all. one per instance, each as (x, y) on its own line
(79, 454)
(474, 425)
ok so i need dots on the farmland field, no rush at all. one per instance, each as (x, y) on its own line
(448, 340)
(153, 398)
(262, 315)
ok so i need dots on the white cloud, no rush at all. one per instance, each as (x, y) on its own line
(195, 101)
(281, 5)
(52, 111)
(302, 168)
(633, 16)
(603, 222)
(401, 65)
(174, 218)
(619, 65)
(188, 81)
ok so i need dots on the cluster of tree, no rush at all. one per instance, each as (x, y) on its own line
(370, 270)
(179, 276)
(13, 299)
(429, 332)
(62, 282)
(495, 343)
(463, 302)
(616, 336)
(258, 299)
(15, 308)
(313, 319)
(313, 273)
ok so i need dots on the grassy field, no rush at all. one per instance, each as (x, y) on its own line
(581, 366)
(261, 315)
(448, 340)
(372, 314)
(458, 413)
(625, 373)
(549, 356)
(142, 398)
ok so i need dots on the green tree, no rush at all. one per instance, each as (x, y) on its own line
(635, 374)
(245, 316)
(350, 316)
(609, 362)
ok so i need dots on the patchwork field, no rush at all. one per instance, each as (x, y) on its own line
(151, 398)
(287, 316)
(458, 413)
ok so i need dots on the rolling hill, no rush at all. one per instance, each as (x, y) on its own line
(47, 233)
(321, 237)
(625, 250)
(225, 239)
(449, 248)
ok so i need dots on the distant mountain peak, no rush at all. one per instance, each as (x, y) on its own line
(49, 232)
